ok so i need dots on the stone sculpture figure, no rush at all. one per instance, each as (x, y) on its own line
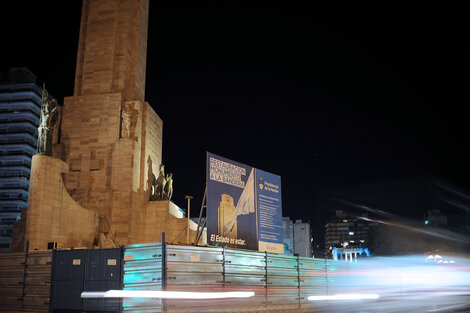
(153, 188)
(126, 115)
(162, 187)
(160, 184)
(168, 189)
(46, 125)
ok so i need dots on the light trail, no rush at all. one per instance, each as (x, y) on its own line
(409, 224)
(157, 294)
(447, 308)
(414, 283)
(346, 296)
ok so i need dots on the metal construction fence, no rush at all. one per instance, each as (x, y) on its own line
(25, 281)
(54, 280)
(278, 281)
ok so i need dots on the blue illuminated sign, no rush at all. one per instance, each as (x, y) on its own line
(269, 211)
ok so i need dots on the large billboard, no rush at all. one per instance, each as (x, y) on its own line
(244, 207)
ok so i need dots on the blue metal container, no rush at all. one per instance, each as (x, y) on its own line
(102, 273)
(68, 268)
(68, 265)
(75, 271)
(103, 265)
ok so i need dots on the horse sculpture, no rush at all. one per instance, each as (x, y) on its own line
(162, 187)
(160, 184)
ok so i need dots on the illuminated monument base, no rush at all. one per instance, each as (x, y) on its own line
(53, 216)
(93, 189)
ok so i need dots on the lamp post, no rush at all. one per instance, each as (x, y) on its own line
(189, 211)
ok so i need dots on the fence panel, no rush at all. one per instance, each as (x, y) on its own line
(25, 280)
(142, 270)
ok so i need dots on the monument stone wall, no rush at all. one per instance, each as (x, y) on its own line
(112, 50)
(110, 147)
(52, 213)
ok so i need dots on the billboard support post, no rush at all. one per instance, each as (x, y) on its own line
(189, 215)
(200, 228)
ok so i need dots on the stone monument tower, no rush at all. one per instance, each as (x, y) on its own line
(108, 131)
(94, 189)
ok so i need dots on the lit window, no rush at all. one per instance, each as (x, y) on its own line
(351, 233)
(345, 221)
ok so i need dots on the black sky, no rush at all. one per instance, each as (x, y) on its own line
(323, 95)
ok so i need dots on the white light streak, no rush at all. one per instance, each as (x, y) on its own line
(447, 308)
(166, 294)
(346, 296)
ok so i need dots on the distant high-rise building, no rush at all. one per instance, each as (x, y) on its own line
(344, 231)
(435, 217)
(288, 232)
(297, 238)
(20, 110)
(302, 239)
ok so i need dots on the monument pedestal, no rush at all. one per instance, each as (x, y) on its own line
(165, 216)
(52, 215)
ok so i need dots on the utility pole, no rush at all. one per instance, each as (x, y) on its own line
(189, 214)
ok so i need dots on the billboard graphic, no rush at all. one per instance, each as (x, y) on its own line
(240, 213)
(269, 207)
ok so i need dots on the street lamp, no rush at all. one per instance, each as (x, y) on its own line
(189, 213)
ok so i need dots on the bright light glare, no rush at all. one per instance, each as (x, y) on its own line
(166, 294)
(346, 296)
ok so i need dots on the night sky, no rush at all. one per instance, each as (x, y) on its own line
(325, 96)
